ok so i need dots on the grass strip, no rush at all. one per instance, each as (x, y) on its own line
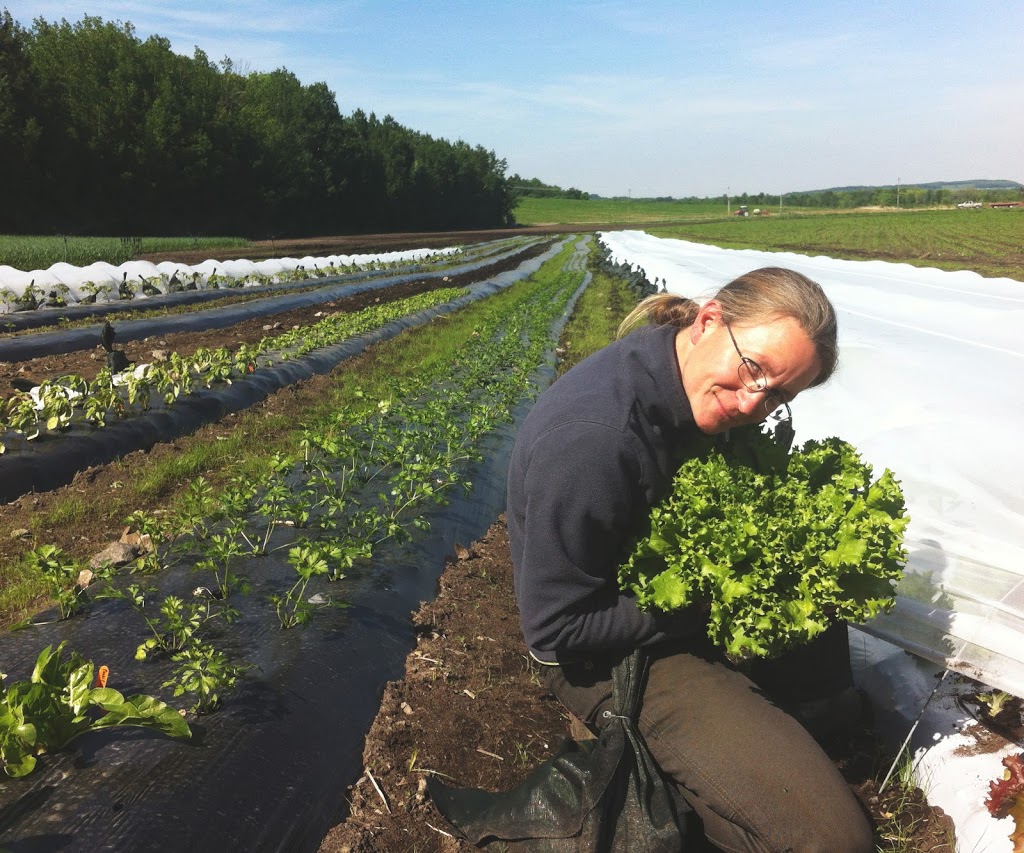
(594, 322)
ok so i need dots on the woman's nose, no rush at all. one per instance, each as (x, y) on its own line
(747, 401)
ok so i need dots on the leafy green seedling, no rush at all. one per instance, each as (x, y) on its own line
(61, 573)
(994, 701)
(58, 703)
(204, 672)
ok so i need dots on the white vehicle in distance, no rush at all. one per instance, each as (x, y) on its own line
(969, 204)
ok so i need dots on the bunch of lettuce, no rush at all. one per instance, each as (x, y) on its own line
(777, 545)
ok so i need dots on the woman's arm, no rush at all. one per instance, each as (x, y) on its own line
(576, 497)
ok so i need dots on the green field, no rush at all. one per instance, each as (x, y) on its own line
(39, 253)
(567, 211)
(988, 241)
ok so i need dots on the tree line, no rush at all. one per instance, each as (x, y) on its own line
(536, 188)
(104, 133)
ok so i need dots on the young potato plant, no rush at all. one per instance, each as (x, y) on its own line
(60, 572)
(205, 673)
(108, 396)
(59, 703)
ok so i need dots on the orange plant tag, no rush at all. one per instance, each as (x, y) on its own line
(101, 676)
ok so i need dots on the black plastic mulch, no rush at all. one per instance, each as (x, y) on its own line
(267, 772)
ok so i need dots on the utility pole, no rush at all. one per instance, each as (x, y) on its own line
(897, 193)
(780, 202)
(728, 211)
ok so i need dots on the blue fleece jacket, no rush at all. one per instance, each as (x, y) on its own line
(598, 449)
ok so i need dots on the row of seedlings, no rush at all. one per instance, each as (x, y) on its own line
(55, 405)
(57, 295)
(359, 479)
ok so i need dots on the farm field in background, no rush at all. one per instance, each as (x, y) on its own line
(42, 252)
(568, 211)
(987, 241)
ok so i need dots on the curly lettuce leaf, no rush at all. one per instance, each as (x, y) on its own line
(777, 545)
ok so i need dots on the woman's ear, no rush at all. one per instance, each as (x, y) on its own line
(709, 314)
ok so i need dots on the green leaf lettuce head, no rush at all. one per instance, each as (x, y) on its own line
(777, 545)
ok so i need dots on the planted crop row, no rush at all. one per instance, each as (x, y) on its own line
(356, 479)
(57, 404)
(31, 297)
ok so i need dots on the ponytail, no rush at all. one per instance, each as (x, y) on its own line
(661, 309)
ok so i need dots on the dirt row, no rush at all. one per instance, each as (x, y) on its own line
(373, 243)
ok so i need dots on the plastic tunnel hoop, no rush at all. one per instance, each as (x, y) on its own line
(268, 772)
(41, 468)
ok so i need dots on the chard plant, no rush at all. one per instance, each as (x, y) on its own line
(777, 546)
(59, 703)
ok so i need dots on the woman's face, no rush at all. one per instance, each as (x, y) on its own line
(708, 364)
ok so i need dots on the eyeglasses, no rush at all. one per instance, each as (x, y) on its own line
(753, 379)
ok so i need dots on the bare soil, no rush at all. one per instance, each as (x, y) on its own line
(372, 243)
(471, 710)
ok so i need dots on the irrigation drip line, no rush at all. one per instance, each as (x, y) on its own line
(71, 340)
(53, 461)
(269, 770)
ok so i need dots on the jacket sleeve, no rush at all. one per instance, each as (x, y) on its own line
(580, 501)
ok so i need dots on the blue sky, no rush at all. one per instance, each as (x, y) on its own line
(649, 97)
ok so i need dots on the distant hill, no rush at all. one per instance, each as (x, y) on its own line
(977, 184)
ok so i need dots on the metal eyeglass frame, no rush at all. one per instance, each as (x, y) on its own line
(760, 384)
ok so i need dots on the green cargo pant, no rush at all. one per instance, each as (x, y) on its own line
(752, 773)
